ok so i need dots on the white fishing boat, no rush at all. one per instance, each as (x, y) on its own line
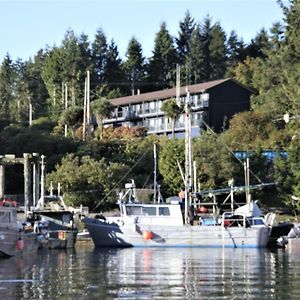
(162, 225)
(15, 238)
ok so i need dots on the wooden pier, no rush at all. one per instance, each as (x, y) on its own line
(34, 166)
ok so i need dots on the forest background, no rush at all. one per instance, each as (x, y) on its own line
(91, 170)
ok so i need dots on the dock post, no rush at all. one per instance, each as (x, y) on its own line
(36, 178)
(27, 182)
(2, 181)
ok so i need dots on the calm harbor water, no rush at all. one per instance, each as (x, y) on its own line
(147, 273)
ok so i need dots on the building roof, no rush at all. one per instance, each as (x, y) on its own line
(171, 93)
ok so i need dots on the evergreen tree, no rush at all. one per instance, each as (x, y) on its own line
(53, 79)
(214, 50)
(19, 108)
(206, 28)
(99, 60)
(72, 71)
(36, 87)
(7, 77)
(134, 65)
(186, 28)
(85, 63)
(277, 35)
(162, 65)
(194, 59)
(113, 75)
(235, 51)
(259, 45)
(217, 49)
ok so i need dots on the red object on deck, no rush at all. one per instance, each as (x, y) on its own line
(202, 209)
(227, 223)
(8, 203)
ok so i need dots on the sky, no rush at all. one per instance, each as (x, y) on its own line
(26, 26)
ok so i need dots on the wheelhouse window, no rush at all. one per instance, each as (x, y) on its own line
(133, 210)
(149, 211)
(163, 211)
(137, 210)
(5, 217)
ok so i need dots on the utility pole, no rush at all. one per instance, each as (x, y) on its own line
(86, 107)
(88, 118)
(84, 110)
(178, 84)
(30, 111)
(66, 106)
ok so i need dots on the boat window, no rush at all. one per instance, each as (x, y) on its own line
(149, 211)
(258, 222)
(5, 217)
(164, 211)
(134, 210)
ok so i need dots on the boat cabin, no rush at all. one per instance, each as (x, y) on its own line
(152, 214)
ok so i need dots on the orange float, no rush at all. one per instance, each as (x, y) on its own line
(147, 235)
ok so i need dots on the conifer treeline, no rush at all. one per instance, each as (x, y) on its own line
(202, 49)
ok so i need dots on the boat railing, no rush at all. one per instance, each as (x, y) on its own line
(230, 220)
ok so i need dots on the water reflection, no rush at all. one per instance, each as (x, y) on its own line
(143, 273)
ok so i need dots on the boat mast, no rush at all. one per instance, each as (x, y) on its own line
(247, 180)
(155, 174)
(188, 157)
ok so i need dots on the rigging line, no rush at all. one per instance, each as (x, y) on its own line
(125, 175)
(239, 160)
(146, 181)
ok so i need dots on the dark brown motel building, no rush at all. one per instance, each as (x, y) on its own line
(214, 102)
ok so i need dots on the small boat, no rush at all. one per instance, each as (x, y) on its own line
(55, 222)
(163, 225)
(15, 238)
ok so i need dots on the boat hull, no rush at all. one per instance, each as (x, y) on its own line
(13, 242)
(133, 235)
(59, 239)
